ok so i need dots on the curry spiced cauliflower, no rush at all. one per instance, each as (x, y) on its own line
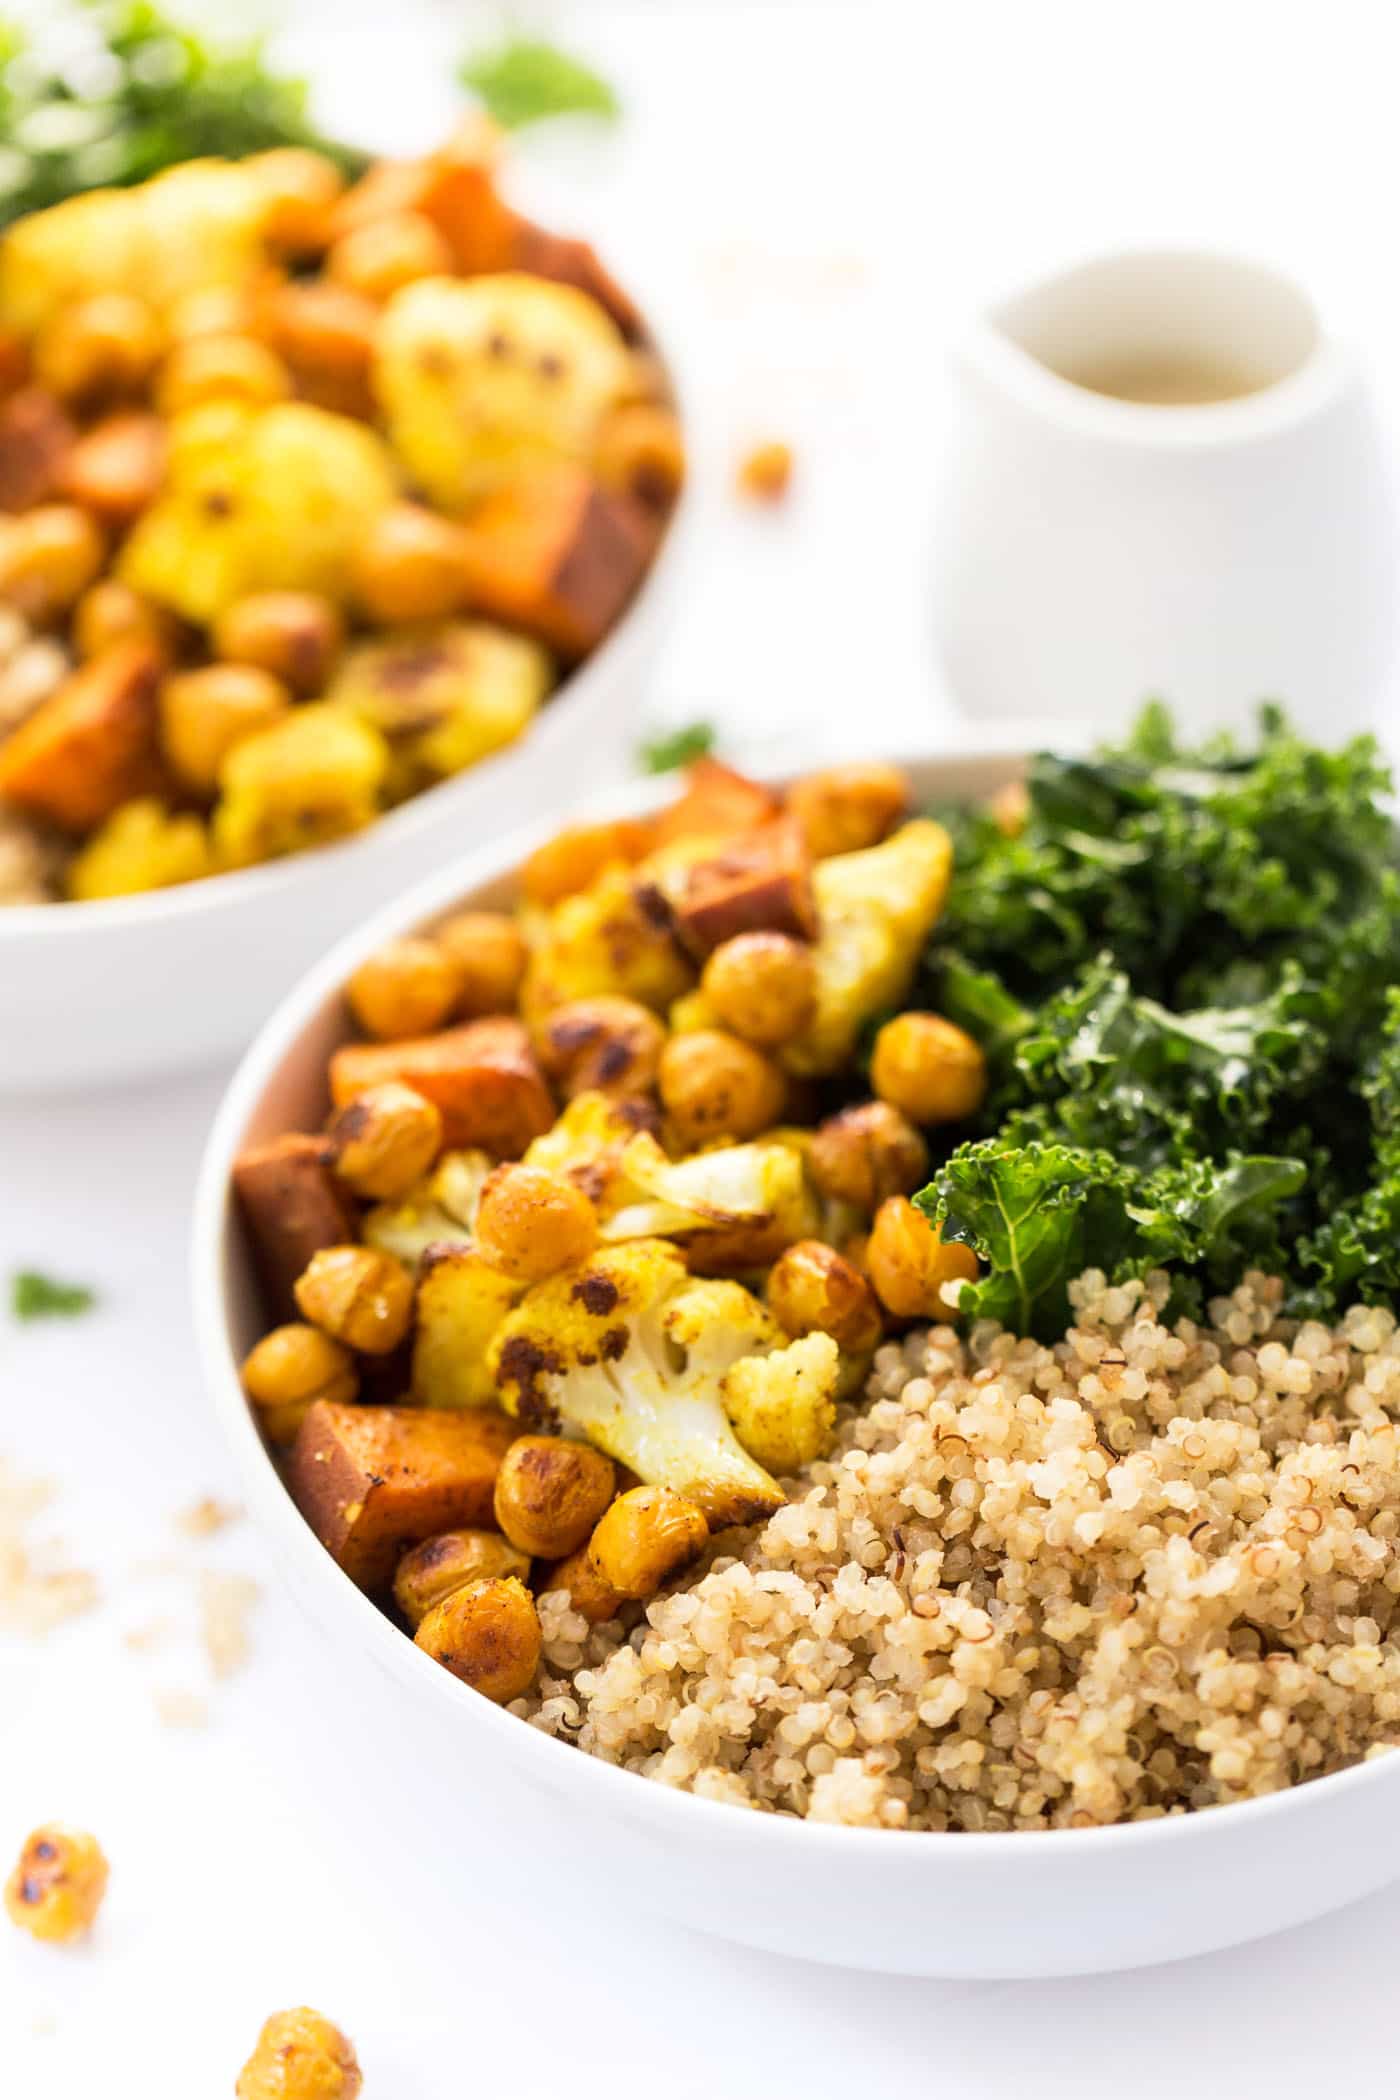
(575, 1275)
(58, 1883)
(309, 496)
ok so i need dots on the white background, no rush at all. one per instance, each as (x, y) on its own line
(818, 196)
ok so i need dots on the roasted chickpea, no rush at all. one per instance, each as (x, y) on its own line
(929, 1069)
(606, 1045)
(432, 1571)
(380, 257)
(385, 1140)
(488, 1634)
(812, 1289)
(647, 1535)
(765, 471)
(412, 565)
(289, 1369)
(327, 336)
(48, 558)
(408, 987)
(60, 1878)
(550, 1492)
(713, 1085)
(847, 808)
(530, 1223)
(640, 452)
(300, 188)
(360, 1296)
(577, 855)
(220, 309)
(763, 986)
(590, 1595)
(296, 635)
(220, 368)
(115, 470)
(1010, 809)
(910, 1262)
(490, 953)
(864, 1154)
(204, 714)
(98, 348)
(300, 2055)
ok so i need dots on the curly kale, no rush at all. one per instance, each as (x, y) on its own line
(1180, 970)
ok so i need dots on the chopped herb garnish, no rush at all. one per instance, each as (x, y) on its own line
(678, 747)
(523, 80)
(37, 1297)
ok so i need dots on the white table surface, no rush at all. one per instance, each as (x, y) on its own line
(819, 194)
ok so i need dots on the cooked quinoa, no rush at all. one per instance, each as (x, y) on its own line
(1147, 1569)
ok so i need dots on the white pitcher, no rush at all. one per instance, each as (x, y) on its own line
(1220, 549)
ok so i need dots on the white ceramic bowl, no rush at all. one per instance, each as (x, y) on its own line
(1025, 1904)
(132, 987)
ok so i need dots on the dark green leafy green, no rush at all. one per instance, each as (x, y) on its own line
(523, 80)
(34, 1296)
(115, 90)
(1180, 972)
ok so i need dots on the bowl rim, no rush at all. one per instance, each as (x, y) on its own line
(551, 1761)
(648, 603)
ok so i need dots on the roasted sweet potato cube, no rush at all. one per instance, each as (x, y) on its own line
(294, 1206)
(718, 803)
(557, 555)
(324, 333)
(574, 262)
(482, 1078)
(371, 1481)
(115, 469)
(36, 436)
(14, 361)
(760, 882)
(577, 855)
(382, 192)
(460, 197)
(91, 745)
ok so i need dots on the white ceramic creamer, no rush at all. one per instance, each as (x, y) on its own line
(1167, 480)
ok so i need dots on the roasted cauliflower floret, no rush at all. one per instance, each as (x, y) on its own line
(609, 938)
(479, 379)
(309, 779)
(439, 1210)
(875, 910)
(194, 228)
(630, 1352)
(759, 1185)
(142, 846)
(783, 1406)
(445, 696)
(258, 499)
(462, 1301)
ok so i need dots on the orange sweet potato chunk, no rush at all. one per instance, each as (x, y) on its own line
(481, 1077)
(760, 882)
(293, 1206)
(371, 1481)
(557, 555)
(36, 437)
(91, 745)
(115, 469)
(718, 802)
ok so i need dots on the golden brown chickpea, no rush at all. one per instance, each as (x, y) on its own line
(48, 558)
(910, 1262)
(204, 714)
(641, 453)
(111, 612)
(300, 2055)
(490, 953)
(550, 1492)
(488, 1634)
(862, 1155)
(412, 565)
(385, 1140)
(408, 987)
(220, 309)
(116, 469)
(814, 1290)
(296, 635)
(289, 1369)
(606, 1045)
(301, 189)
(591, 1596)
(1010, 809)
(58, 1883)
(327, 336)
(99, 348)
(380, 257)
(713, 1085)
(578, 854)
(763, 986)
(360, 1296)
(929, 1069)
(432, 1571)
(530, 1223)
(646, 1536)
(765, 471)
(220, 368)
(847, 808)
